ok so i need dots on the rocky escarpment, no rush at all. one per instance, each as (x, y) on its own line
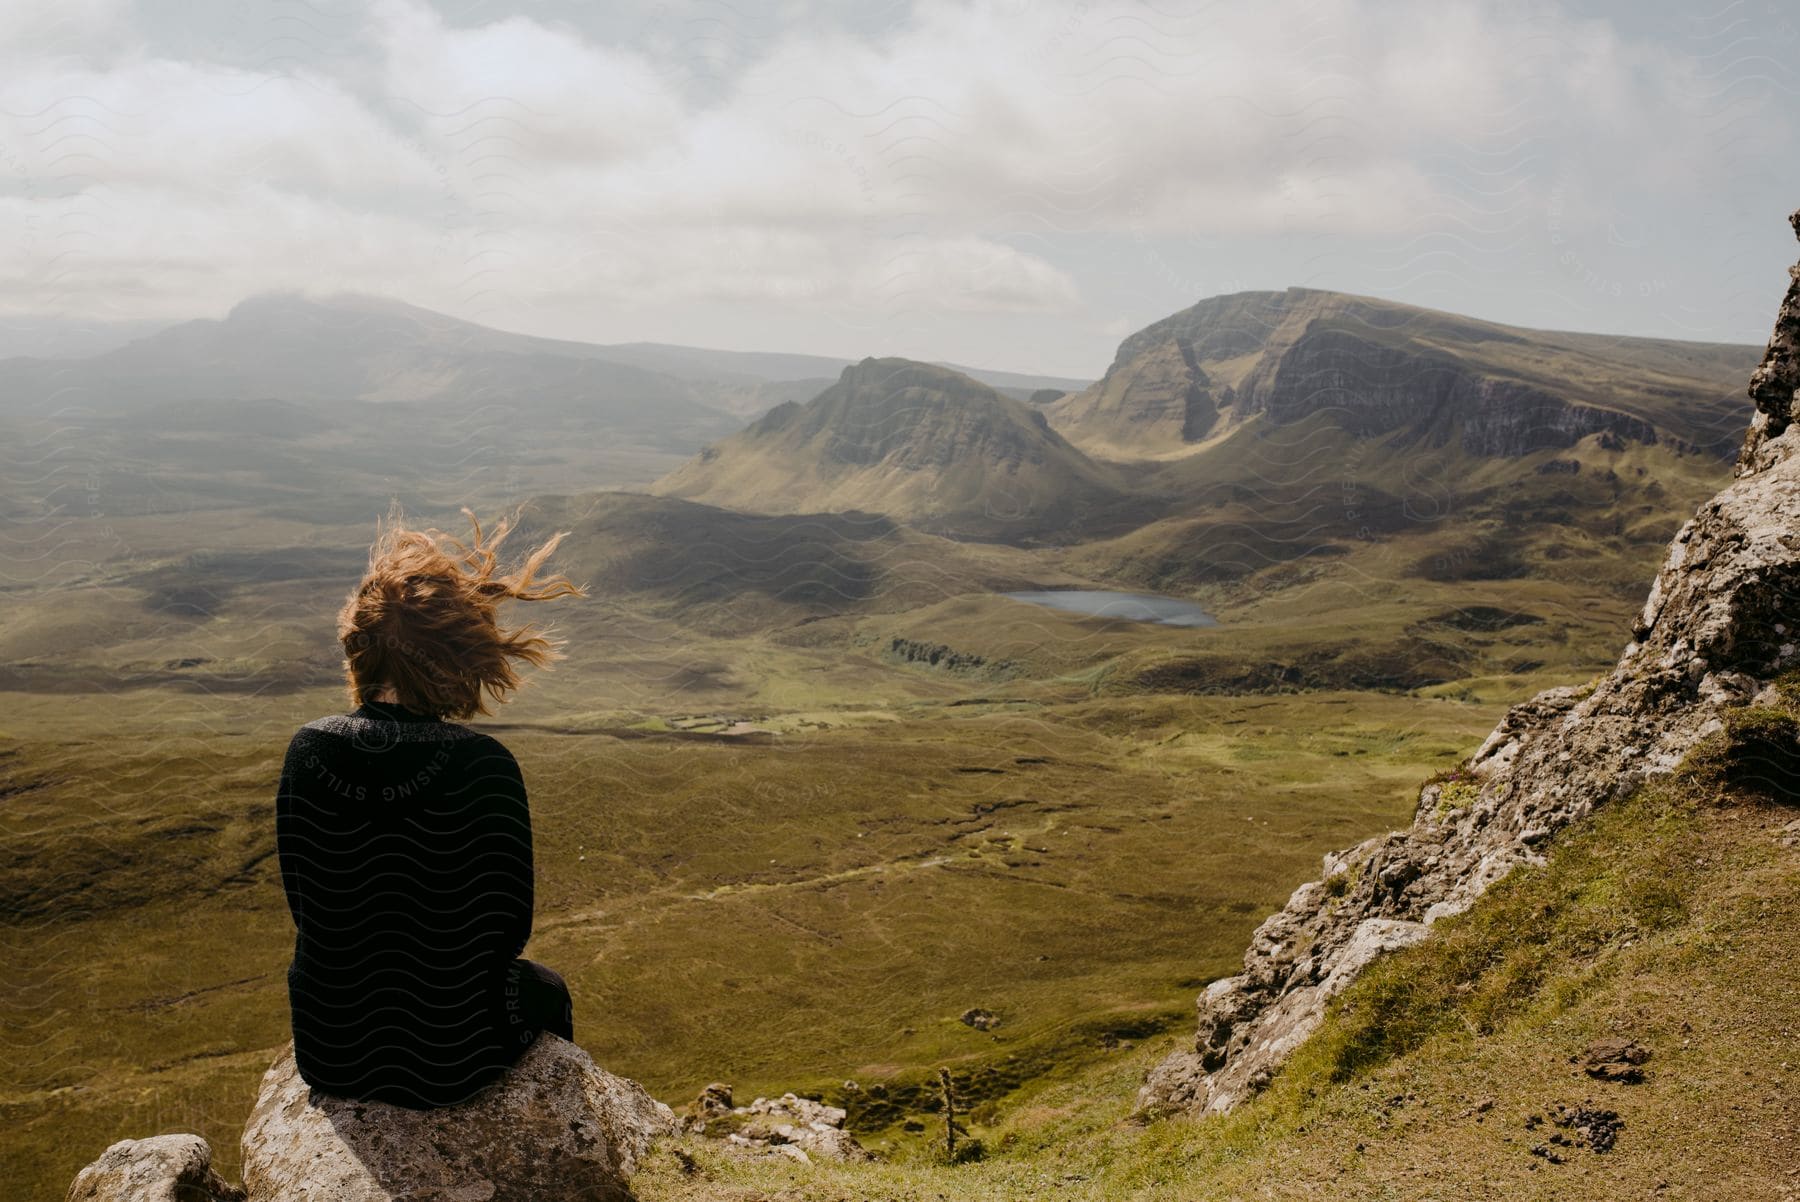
(556, 1126)
(1372, 388)
(1400, 374)
(1775, 384)
(1715, 631)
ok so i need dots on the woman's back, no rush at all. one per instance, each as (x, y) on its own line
(405, 849)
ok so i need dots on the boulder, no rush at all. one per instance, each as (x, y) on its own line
(714, 1099)
(556, 1126)
(980, 1019)
(164, 1168)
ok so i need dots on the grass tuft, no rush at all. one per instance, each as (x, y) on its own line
(1757, 751)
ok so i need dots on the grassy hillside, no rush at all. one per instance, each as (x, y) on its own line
(738, 905)
(1457, 1068)
(916, 442)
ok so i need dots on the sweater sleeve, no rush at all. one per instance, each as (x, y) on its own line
(507, 850)
(290, 831)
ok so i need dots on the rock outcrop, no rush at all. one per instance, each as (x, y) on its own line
(556, 1126)
(1775, 384)
(1716, 629)
(789, 1125)
(164, 1168)
(946, 658)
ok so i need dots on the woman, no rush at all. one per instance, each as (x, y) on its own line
(404, 837)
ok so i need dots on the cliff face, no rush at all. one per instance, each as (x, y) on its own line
(1775, 384)
(1377, 369)
(1715, 631)
(1373, 389)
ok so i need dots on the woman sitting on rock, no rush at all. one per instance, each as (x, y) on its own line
(404, 837)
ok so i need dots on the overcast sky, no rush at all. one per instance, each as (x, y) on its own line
(1014, 184)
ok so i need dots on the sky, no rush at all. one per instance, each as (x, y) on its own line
(1014, 184)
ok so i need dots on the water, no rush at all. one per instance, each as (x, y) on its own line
(1133, 607)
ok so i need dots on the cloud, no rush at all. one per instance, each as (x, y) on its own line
(203, 128)
(948, 161)
(551, 96)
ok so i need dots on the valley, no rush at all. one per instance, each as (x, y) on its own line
(812, 783)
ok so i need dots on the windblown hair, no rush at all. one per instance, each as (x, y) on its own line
(424, 619)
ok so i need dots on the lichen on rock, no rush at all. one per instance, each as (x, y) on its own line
(556, 1126)
(163, 1168)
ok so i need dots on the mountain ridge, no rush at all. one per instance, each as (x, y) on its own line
(1180, 383)
(737, 382)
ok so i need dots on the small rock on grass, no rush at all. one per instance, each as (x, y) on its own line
(1615, 1058)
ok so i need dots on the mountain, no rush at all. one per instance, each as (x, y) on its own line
(350, 346)
(914, 441)
(366, 349)
(70, 337)
(1399, 374)
(1286, 437)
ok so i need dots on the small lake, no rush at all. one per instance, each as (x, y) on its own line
(1132, 607)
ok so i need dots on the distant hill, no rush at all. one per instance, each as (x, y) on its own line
(351, 346)
(1401, 375)
(50, 337)
(911, 440)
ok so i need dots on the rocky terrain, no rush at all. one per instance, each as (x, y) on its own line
(1707, 649)
(792, 1126)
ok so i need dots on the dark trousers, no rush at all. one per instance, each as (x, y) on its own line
(544, 1001)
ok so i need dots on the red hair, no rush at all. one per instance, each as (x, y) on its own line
(424, 619)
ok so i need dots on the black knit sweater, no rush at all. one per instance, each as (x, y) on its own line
(405, 851)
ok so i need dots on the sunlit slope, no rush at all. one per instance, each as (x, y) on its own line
(1453, 1069)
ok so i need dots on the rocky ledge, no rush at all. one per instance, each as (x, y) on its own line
(556, 1126)
(1712, 636)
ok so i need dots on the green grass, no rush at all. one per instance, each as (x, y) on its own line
(784, 912)
(1666, 918)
